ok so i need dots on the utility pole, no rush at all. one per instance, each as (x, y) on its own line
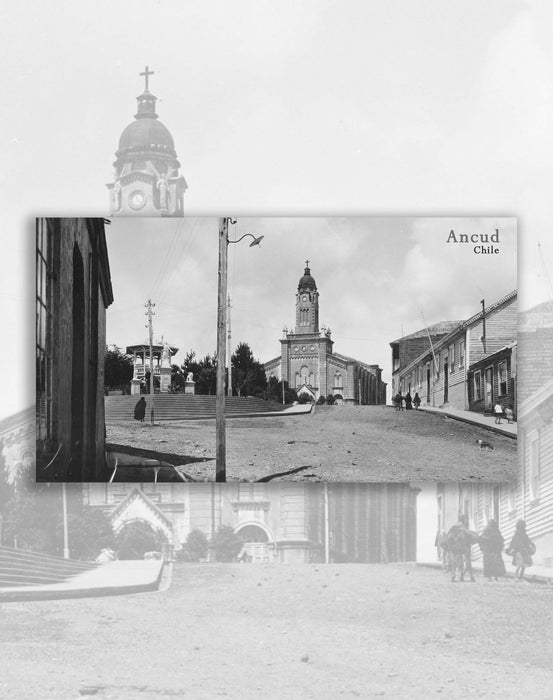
(229, 352)
(220, 426)
(326, 524)
(149, 314)
(483, 324)
(65, 529)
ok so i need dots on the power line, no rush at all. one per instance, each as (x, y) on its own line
(168, 257)
(178, 256)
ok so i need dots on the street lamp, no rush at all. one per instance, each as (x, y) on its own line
(220, 427)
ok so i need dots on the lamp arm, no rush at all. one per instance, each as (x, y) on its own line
(241, 237)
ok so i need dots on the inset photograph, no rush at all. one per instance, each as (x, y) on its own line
(254, 349)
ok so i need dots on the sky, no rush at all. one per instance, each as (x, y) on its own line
(376, 278)
(319, 108)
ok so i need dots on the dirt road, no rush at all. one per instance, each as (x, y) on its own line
(282, 631)
(339, 443)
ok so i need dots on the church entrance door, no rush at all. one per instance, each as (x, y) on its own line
(256, 545)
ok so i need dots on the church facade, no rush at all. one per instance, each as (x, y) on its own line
(279, 522)
(146, 170)
(309, 363)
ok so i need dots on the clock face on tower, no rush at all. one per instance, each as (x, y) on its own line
(137, 199)
(304, 298)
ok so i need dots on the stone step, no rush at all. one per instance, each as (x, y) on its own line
(20, 568)
(184, 407)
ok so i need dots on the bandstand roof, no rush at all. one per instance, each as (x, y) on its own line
(145, 347)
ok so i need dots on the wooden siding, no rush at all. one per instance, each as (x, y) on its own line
(501, 330)
(507, 399)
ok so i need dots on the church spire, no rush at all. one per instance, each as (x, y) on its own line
(146, 170)
(307, 304)
(146, 101)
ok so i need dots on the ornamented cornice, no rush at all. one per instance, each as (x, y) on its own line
(250, 505)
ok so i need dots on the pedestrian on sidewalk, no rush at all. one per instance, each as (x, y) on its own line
(140, 410)
(416, 401)
(491, 543)
(498, 412)
(408, 401)
(521, 549)
(398, 401)
(509, 415)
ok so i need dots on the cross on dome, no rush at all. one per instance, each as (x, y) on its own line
(147, 72)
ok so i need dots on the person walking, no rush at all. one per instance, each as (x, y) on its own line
(498, 412)
(491, 543)
(140, 410)
(521, 549)
(509, 415)
(408, 401)
(416, 401)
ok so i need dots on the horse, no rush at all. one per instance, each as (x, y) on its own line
(456, 546)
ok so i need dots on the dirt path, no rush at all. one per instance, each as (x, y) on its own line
(342, 443)
(281, 631)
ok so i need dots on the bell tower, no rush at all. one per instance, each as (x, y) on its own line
(307, 304)
(146, 169)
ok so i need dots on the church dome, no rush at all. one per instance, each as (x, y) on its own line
(307, 282)
(146, 134)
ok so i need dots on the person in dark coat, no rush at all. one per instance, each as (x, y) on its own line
(521, 549)
(491, 543)
(416, 400)
(408, 401)
(140, 410)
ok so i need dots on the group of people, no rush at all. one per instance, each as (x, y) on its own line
(521, 548)
(500, 412)
(410, 401)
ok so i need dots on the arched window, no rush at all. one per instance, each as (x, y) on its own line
(252, 533)
(338, 382)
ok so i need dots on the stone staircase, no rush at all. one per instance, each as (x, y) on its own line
(184, 407)
(20, 568)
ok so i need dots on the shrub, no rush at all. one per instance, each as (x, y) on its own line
(226, 544)
(194, 547)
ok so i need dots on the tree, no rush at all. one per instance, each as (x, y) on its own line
(118, 369)
(273, 391)
(204, 371)
(89, 532)
(248, 374)
(195, 546)
(226, 544)
(178, 379)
